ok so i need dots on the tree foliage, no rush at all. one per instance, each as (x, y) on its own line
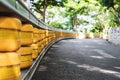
(41, 5)
(56, 25)
(97, 28)
(105, 13)
(107, 3)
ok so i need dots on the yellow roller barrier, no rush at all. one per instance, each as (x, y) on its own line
(36, 38)
(35, 35)
(42, 43)
(35, 53)
(39, 49)
(26, 57)
(9, 66)
(26, 61)
(87, 35)
(9, 33)
(39, 43)
(10, 23)
(35, 50)
(26, 64)
(9, 58)
(35, 45)
(10, 73)
(26, 34)
(96, 35)
(40, 34)
(25, 50)
(43, 34)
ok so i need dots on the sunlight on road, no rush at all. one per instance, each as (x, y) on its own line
(104, 54)
(94, 68)
(97, 57)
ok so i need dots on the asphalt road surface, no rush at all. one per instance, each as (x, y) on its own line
(80, 59)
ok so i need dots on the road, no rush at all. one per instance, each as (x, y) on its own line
(80, 59)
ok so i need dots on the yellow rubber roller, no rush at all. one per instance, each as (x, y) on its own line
(87, 35)
(35, 54)
(34, 46)
(39, 49)
(25, 50)
(39, 43)
(42, 44)
(10, 73)
(9, 33)
(10, 58)
(46, 32)
(26, 64)
(96, 35)
(26, 34)
(26, 57)
(10, 23)
(27, 27)
(36, 35)
(40, 36)
(43, 36)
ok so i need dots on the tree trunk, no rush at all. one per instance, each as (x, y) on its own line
(75, 21)
(44, 9)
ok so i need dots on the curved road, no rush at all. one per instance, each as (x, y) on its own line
(80, 59)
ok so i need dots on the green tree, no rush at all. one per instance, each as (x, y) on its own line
(56, 25)
(41, 5)
(115, 4)
(74, 7)
(97, 28)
